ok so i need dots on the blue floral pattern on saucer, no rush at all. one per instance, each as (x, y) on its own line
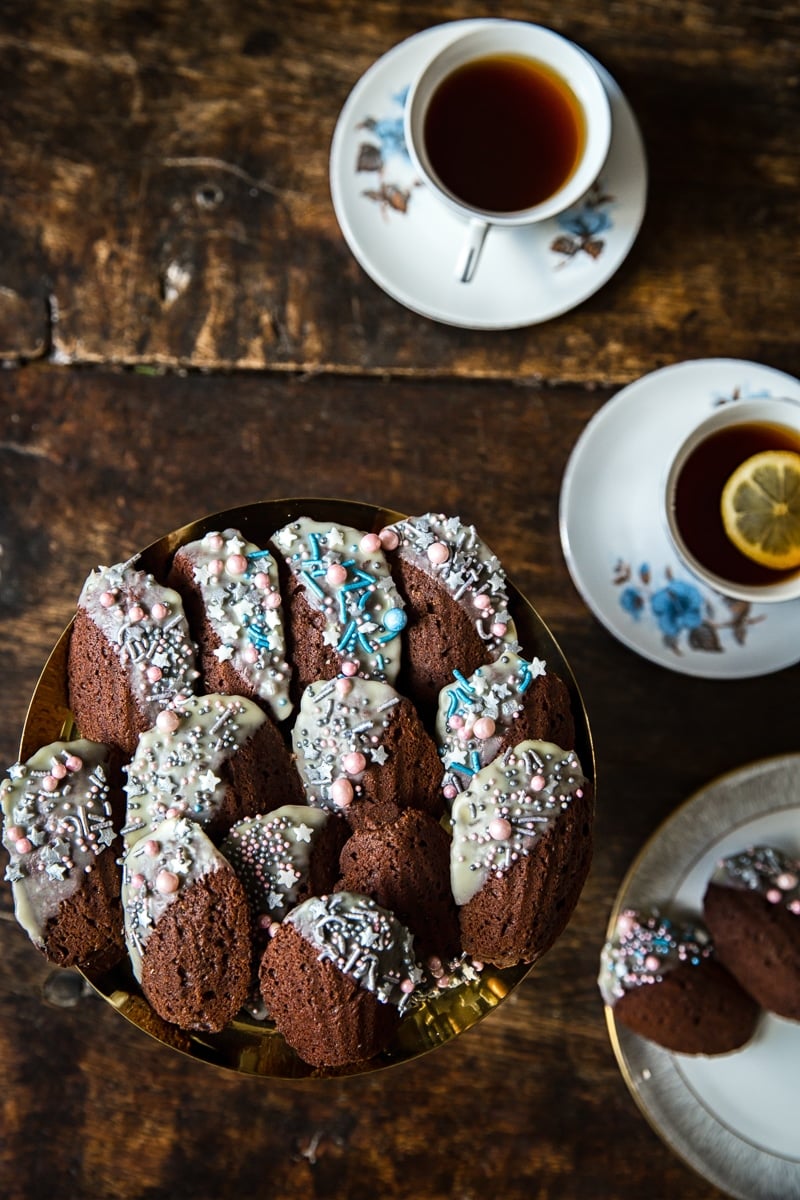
(583, 225)
(685, 615)
(387, 142)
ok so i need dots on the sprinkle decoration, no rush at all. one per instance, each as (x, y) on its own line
(345, 576)
(238, 582)
(763, 869)
(509, 805)
(364, 941)
(146, 625)
(460, 560)
(271, 856)
(475, 713)
(644, 948)
(156, 872)
(58, 815)
(177, 767)
(339, 732)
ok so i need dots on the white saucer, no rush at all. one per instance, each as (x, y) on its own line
(732, 1117)
(614, 534)
(408, 241)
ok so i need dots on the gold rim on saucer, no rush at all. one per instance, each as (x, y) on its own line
(248, 1045)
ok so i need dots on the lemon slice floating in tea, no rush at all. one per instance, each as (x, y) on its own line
(760, 508)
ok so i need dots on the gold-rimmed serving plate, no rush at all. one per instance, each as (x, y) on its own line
(249, 1045)
(732, 1117)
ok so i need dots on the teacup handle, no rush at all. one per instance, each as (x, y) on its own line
(470, 251)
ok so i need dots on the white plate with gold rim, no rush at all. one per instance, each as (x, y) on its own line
(734, 1118)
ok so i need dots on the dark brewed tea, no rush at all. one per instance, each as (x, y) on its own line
(504, 133)
(699, 488)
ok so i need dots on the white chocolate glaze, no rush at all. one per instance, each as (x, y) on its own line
(456, 557)
(364, 941)
(644, 947)
(238, 582)
(475, 713)
(146, 625)
(345, 577)
(507, 808)
(175, 769)
(338, 733)
(57, 821)
(271, 854)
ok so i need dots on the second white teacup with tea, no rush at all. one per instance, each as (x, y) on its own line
(752, 445)
(509, 124)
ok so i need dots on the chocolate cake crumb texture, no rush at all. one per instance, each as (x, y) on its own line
(345, 577)
(176, 768)
(508, 807)
(238, 584)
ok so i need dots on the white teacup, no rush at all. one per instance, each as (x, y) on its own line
(530, 47)
(692, 508)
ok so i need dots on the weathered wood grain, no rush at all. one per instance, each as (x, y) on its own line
(164, 189)
(528, 1104)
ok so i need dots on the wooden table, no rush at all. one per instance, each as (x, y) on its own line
(185, 330)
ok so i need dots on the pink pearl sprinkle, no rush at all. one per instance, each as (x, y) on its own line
(250, 654)
(167, 721)
(343, 686)
(158, 611)
(438, 552)
(273, 600)
(500, 829)
(537, 783)
(786, 881)
(349, 668)
(58, 770)
(167, 882)
(389, 539)
(482, 601)
(794, 907)
(652, 963)
(499, 629)
(107, 599)
(449, 792)
(336, 574)
(15, 832)
(135, 613)
(172, 812)
(774, 895)
(214, 541)
(137, 880)
(154, 674)
(369, 543)
(216, 566)
(456, 722)
(24, 846)
(264, 921)
(151, 847)
(261, 580)
(483, 728)
(73, 763)
(342, 793)
(354, 762)
(407, 986)
(625, 924)
(49, 783)
(236, 564)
